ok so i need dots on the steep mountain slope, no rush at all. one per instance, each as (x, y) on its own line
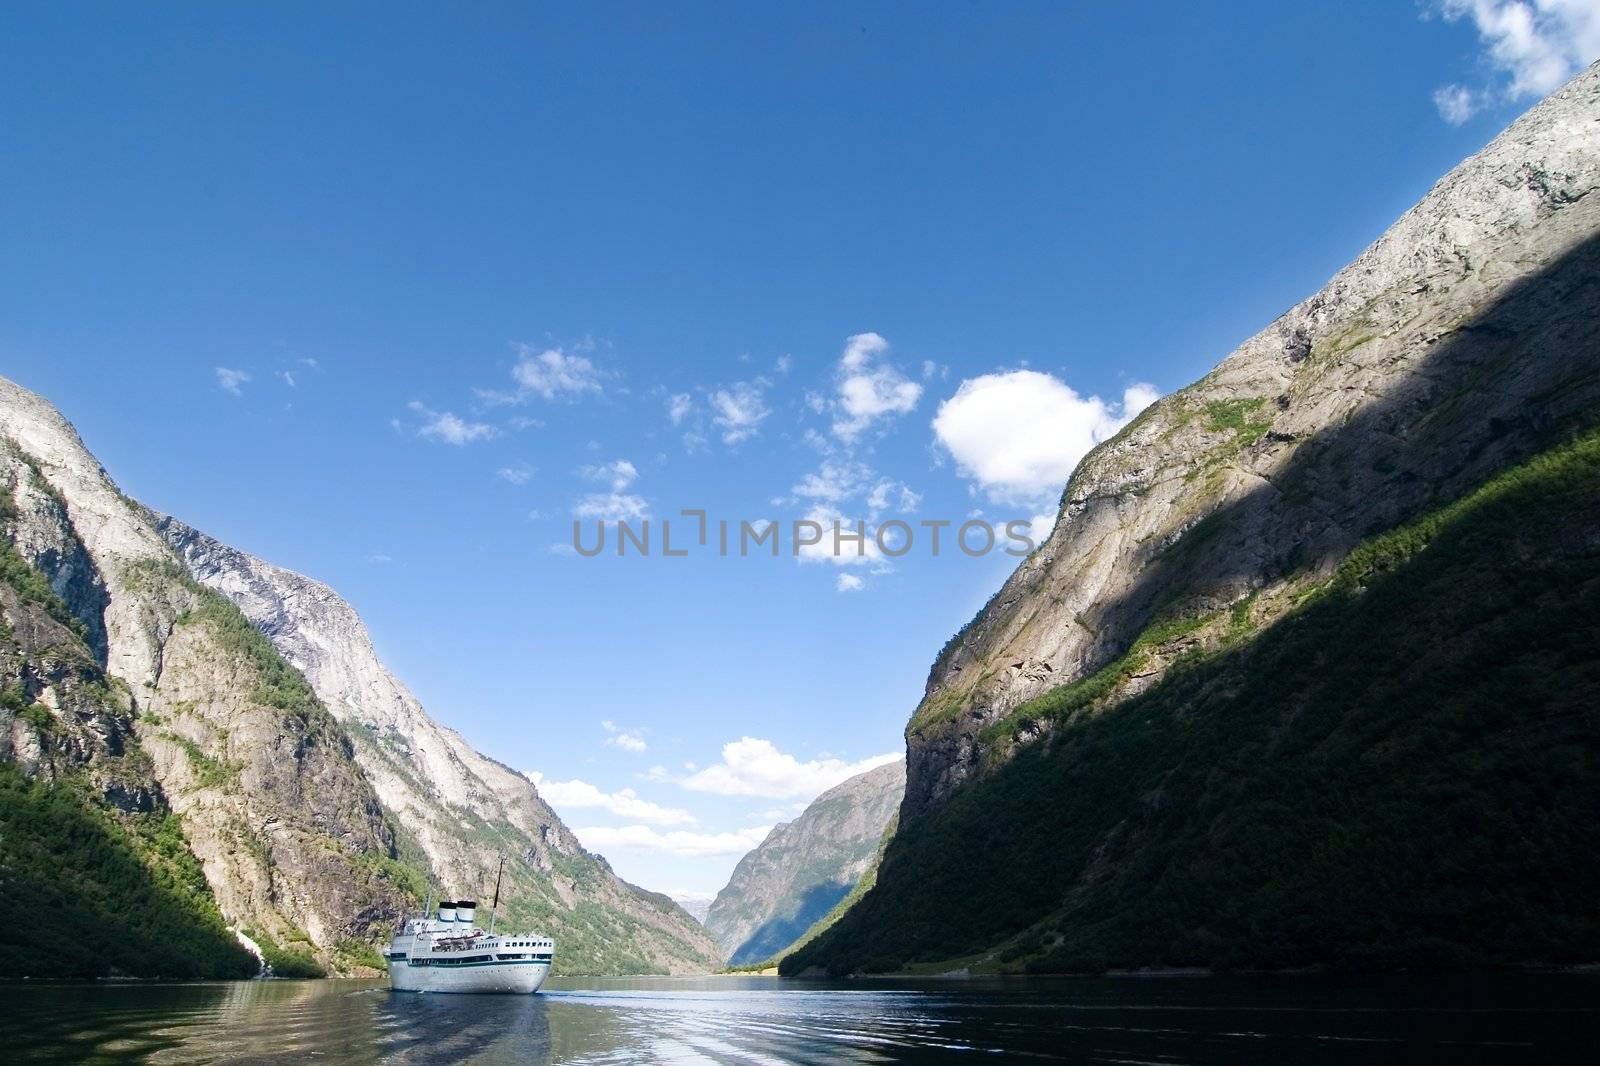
(86, 835)
(456, 808)
(315, 830)
(804, 867)
(289, 834)
(1461, 343)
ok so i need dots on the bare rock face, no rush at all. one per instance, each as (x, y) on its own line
(1345, 416)
(804, 867)
(461, 808)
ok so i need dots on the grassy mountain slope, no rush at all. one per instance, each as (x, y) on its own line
(1403, 770)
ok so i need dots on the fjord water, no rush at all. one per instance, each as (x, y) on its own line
(1166, 1020)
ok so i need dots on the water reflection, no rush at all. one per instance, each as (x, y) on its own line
(761, 1020)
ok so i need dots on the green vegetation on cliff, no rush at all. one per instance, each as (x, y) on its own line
(103, 892)
(1402, 772)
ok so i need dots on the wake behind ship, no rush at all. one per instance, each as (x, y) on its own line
(449, 953)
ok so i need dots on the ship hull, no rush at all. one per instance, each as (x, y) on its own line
(502, 978)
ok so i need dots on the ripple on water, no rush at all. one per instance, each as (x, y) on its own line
(762, 1021)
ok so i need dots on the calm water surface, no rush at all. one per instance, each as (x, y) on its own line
(762, 1020)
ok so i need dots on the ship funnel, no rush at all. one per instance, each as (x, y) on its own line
(466, 910)
(447, 911)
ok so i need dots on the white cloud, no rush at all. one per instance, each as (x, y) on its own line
(868, 388)
(619, 473)
(445, 426)
(626, 739)
(751, 766)
(784, 364)
(837, 543)
(1020, 434)
(1456, 103)
(833, 482)
(616, 505)
(554, 375)
(739, 409)
(520, 474)
(551, 374)
(625, 803)
(1535, 45)
(1041, 526)
(829, 490)
(849, 583)
(232, 382)
(678, 407)
(889, 495)
(675, 842)
(611, 507)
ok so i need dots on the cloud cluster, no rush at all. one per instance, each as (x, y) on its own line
(626, 739)
(232, 382)
(1534, 45)
(751, 766)
(678, 842)
(1019, 434)
(448, 428)
(868, 388)
(553, 375)
(737, 411)
(625, 803)
(616, 504)
(520, 474)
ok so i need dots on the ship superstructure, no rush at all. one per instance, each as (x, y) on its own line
(447, 952)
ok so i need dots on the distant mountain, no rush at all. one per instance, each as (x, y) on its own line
(205, 711)
(804, 867)
(695, 906)
(1306, 672)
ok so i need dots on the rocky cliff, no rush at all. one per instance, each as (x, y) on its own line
(804, 867)
(316, 810)
(288, 831)
(1135, 718)
(87, 836)
(457, 808)
(1452, 346)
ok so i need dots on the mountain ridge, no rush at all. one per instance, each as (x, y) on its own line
(794, 877)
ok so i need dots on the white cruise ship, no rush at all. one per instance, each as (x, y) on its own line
(449, 953)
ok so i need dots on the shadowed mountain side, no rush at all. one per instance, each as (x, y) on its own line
(1404, 772)
(795, 876)
(778, 933)
(1461, 343)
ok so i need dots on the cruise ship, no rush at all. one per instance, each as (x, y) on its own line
(447, 952)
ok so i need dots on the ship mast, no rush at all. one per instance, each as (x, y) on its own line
(494, 906)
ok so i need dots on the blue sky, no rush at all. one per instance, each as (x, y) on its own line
(388, 293)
